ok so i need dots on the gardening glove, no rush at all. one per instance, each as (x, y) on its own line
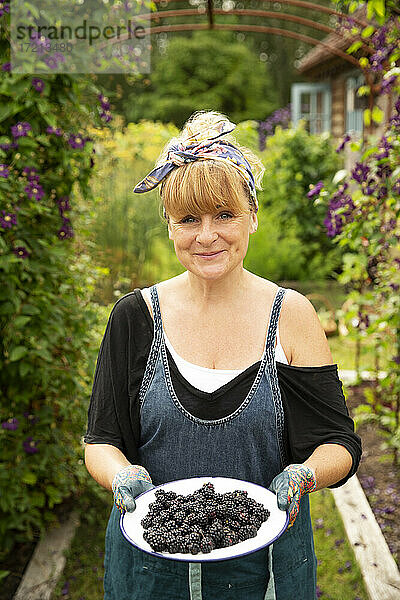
(290, 486)
(128, 483)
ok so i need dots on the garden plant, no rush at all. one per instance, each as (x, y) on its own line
(363, 218)
(46, 282)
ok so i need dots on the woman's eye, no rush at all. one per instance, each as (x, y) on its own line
(225, 215)
(188, 219)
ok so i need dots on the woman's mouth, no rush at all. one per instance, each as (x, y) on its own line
(208, 255)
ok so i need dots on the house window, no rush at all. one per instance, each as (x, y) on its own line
(354, 105)
(312, 102)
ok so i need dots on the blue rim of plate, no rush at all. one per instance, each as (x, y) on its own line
(195, 557)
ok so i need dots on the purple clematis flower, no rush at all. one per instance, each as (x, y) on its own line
(4, 8)
(346, 139)
(56, 130)
(106, 116)
(30, 445)
(6, 67)
(59, 57)
(105, 105)
(384, 147)
(34, 190)
(21, 129)
(382, 192)
(50, 62)
(38, 84)
(63, 204)
(30, 172)
(369, 187)
(21, 252)
(360, 172)
(387, 84)
(31, 418)
(76, 141)
(7, 220)
(66, 231)
(383, 171)
(10, 424)
(9, 146)
(315, 190)
(4, 171)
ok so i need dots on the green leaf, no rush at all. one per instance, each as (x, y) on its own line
(29, 478)
(47, 114)
(29, 309)
(9, 110)
(4, 574)
(21, 321)
(24, 369)
(369, 152)
(378, 6)
(38, 499)
(363, 90)
(353, 6)
(367, 117)
(364, 62)
(6, 308)
(377, 114)
(18, 352)
(368, 31)
(355, 46)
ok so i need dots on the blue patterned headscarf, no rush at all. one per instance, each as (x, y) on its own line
(198, 147)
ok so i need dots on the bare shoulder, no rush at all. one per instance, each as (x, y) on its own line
(301, 332)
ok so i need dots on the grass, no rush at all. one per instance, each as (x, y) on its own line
(343, 352)
(82, 578)
(338, 574)
(339, 577)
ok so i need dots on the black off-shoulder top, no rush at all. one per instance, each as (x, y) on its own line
(312, 397)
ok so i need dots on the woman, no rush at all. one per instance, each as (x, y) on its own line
(194, 379)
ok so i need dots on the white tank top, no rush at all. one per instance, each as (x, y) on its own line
(203, 378)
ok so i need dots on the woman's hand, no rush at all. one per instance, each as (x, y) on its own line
(128, 483)
(291, 485)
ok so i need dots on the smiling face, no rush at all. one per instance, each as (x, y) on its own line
(209, 217)
(212, 245)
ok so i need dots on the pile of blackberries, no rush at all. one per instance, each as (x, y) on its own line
(202, 521)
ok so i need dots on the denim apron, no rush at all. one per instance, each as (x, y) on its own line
(248, 444)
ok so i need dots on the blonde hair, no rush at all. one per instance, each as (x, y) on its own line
(203, 186)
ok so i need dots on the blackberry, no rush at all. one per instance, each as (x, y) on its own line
(202, 521)
(207, 545)
(208, 490)
(246, 532)
(194, 549)
(170, 496)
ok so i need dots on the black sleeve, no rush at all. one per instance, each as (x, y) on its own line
(103, 425)
(113, 410)
(316, 413)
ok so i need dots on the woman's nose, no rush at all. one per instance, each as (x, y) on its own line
(207, 233)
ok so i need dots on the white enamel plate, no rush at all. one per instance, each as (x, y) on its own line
(269, 531)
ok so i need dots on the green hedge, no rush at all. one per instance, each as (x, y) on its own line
(47, 351)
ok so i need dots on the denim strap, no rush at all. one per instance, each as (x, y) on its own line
(270, 593)
(195, 581)
(274, 318)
